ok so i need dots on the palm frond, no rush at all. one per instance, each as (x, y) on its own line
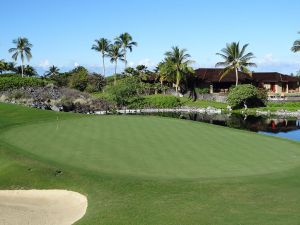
(225, 72)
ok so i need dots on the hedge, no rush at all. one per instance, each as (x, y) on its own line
(7, 83)
(155, 101)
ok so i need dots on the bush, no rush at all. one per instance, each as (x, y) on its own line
(162, 101)
(246, 94)
(202, 91)
(79, 79)
(61, 80)
(17, 94)
(7, 83)
(96, 82)
(123, 91)
(10, 75)
(154, 101)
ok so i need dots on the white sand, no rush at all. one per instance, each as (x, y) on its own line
(41, 207)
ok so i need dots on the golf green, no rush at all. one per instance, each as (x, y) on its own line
(143, 170)
(146, 146)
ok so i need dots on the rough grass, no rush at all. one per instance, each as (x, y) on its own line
(149, 170)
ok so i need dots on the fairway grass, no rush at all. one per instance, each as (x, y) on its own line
(152, 170)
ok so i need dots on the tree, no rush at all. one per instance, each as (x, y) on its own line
(235, 60)
(53, 71)
(296, 45)
(96, 83)
(102, 45)
(247, 95)
(115, 55)
(27, 70)
(78, 78)
(177, 64)
(22, 50)
(125, 41)
(164, 72)
(2, 66)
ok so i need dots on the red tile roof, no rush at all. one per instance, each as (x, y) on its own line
(273, 77)
(214, 74)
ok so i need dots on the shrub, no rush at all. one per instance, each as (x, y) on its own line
(17, 94)
(10, 75)
(123, 91)
(202, 91)
(162, 101)
(246, 94)
(96, 82)
(61, 80)
(79, 79)
(7, 83)
(154, 101)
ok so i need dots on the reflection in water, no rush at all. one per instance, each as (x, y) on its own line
(288, 128)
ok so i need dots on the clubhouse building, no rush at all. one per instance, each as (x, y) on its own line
(275, 83)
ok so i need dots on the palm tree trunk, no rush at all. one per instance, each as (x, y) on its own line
(236, 77)
(116, 64)
(125, 57)
(22, 68)
(177, 82)
(103, 64)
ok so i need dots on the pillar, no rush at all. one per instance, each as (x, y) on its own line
(211, 89)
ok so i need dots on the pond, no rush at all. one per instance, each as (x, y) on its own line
(281, 127)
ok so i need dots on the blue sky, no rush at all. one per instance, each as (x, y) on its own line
(62, 31)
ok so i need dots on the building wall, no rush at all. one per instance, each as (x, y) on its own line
(278, 88)
(267, 86)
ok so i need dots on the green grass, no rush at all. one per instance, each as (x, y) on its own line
(276, 106)
(151, 170)
(290, 106)
(203, 103)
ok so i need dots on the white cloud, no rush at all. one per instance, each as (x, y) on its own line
(147, 62)
(76, 64)
(268, 59)
(272, 64)
(131, 64)
(44, 63)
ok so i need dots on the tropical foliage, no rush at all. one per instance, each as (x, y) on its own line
(53, 71)
(296, 45)
(116, 54)
(123, 91)
(125, 42)
(21, 50)
(235, 59)
(6, 66)
(102, 46)
(14, 82)
(246, 95)
(176, 66)
(28, 70)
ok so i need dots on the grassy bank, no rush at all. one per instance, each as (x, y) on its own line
(202, 103)
(151, 170)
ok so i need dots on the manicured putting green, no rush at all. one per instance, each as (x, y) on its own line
(154, 147)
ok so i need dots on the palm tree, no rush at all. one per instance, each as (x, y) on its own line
(22, 49)
(177, 63)
(53, 71)
(2, 66)
(296, 45)
(235, 59)
(125, 41)
(115, 55)
(28, 70)
(102, 45)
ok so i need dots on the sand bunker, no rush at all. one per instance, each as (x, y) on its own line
(36, 207)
